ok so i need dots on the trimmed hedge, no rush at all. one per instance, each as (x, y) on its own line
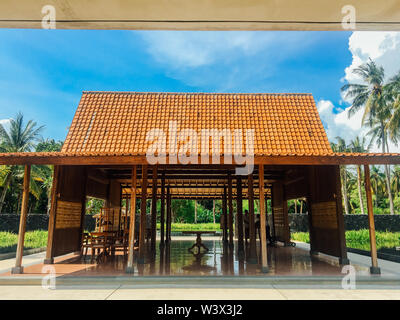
(10, 222)
(298, 222)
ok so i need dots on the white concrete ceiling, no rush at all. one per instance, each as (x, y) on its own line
(202, 14)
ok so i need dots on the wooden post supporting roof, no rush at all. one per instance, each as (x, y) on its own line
(263, 231)
(225, 216)
(239, 214)
(22, 222)
(251, 221)
(132, 220)
(143, 216)
(230, 206)
(168, 226)
(52, 217)
(374, 268)
(154, 210)
(162, 210)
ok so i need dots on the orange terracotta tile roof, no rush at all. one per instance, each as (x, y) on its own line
(117, 122)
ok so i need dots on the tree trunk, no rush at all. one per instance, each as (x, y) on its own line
(295, 206)
(214, 211)
(359, 189)
(301, 206)
(5, 187)
(387, 175)
(195, 211)
(344, 189)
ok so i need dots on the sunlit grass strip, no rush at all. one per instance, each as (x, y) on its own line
(359, 239)
(176, 227)
(33, 239)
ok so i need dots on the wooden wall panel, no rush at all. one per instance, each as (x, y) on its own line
(68, 214)
(295, 181)
(325, 210)
(71, 195)
(280, 213)
(96, 189)
(114, 195)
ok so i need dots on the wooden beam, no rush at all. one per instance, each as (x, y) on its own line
(143, 217)
(154, 210)
(264, 256)
(239, 212)
(230, 206)
(252, 227)
(132, 220)
(371, 222)
(22, 222)
(52, 217)
(162, 213)
(112, 159)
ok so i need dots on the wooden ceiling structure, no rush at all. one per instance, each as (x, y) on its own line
(202, 14)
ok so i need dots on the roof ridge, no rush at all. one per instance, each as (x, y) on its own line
(199, 93)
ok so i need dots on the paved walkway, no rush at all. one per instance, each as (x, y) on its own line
(202, 288)
(127, 292)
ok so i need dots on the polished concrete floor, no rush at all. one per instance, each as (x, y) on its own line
(176, 260)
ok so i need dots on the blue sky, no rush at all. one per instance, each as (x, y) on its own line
(43, 72)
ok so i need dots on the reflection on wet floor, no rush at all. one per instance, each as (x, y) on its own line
(221, 260)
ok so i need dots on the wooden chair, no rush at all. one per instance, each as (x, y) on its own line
(121, 243)
(97, 242)
(85, 243)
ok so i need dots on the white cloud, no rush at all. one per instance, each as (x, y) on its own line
(382, 47)
(193, 49)
(4, 121)
(339, 124)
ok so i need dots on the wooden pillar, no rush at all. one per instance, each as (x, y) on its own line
(264, 259)
(225, 215)
(239, 208)
(143, 217)
(162, 209)
(374, 257)
(52, 217)
(132, 220)
(252, 227)
(168, 227)
(22, 222)
(230, 205)
(154, 210)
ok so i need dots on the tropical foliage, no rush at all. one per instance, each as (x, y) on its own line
(379, 101)
(19, 136)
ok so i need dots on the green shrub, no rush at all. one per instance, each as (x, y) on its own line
(359, 239)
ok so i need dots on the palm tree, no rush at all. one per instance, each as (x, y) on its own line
(377, 182)
(358, 145)
(378, 135)
(393, 88)
(19, 138)
(375, 98)
(396, 179)
(341, 147)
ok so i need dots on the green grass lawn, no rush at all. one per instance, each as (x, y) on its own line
(360, 239)
(33, 239)
(355, 239)
(176, 227)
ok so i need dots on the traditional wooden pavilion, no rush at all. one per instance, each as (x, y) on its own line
(104, 156)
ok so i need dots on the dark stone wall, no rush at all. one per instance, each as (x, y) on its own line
(383, 222)
(10, 222)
